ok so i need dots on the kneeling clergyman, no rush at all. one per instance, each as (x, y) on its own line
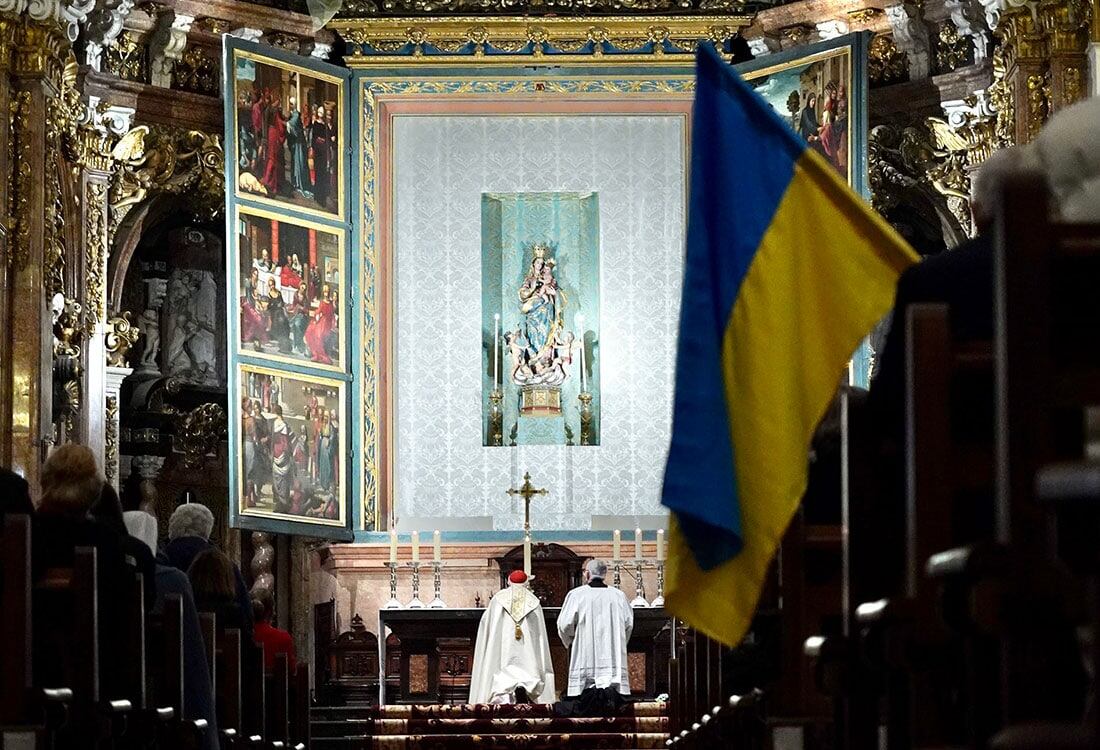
(512, 655)
(595, 625)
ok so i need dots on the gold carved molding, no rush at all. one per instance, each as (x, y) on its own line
(367, 8)
(121, 335)
(458, 38)
(886, 64)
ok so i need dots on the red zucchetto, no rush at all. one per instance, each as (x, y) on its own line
(517, 576)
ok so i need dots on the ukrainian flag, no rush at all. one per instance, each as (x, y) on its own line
(786, 270)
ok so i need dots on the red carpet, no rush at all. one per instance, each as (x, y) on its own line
(642, 727)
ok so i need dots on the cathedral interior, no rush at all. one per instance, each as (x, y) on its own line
(189, 291)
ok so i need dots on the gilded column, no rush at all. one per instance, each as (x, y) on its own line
(7, 254)
(1067, 26)
(1094, 50)
(37, 268)
(1027, 75)
(113, 385)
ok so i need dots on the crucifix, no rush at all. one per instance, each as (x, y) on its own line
(526, 491)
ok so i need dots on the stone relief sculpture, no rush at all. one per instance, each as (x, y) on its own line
(190, 327)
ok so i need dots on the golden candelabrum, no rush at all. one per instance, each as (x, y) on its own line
(586, 417)
(496, 417)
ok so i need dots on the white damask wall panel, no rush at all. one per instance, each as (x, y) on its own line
(442, 165)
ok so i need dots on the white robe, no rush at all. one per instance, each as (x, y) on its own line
(595, 624)
(503, 662)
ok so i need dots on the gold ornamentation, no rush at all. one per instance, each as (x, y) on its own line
(126, 57)
(952, 50)
(1038, 102)
(95, 244)
(797, 34)
(21, 178)
(211, 25)
(359, 9)
(282, 40)
(196, 72)
(198, 433)
(863, 15)
(1001, 100)
(110, 439)
(886, 64)
(68, 329)
(41, 50)
(468, 37)
(1072, 90)
(121, 335)
(156, 159)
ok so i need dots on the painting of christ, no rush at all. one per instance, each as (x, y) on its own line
(291, 446)
(289, 290)
(288, 123)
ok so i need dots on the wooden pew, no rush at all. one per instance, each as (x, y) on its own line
(228, 687)
(300, 704)
(277, 703)
(253, 702)
(17, 707)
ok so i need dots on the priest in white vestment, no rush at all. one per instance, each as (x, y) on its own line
(595, 624)
(512, 655)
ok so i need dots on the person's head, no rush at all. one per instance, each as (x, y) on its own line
(192, 519)
(143, 527)
(254, 274)
(277, 410)
(811, 100)
(107, 509)
(595, 569)
(988, 182)
(1068, 150)
(71, 482)
(15, 495)
(211, 575)
(263, 606)
(320, 111)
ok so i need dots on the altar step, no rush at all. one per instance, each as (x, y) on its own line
(643, 726)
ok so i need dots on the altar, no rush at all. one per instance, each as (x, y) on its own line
(437, 650)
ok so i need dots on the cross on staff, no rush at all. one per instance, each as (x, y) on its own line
(526, 491)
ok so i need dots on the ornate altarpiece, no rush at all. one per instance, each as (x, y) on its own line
(553, 71)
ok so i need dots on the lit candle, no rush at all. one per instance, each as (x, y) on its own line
(527, 554)
(393, 545)
(580, 329)
(616, 545)
(416, 546)
(660, 544)
(496, 349)
(437, 552)
(637, 544)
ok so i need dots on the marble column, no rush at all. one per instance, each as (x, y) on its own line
(115, 376)
(263, 563)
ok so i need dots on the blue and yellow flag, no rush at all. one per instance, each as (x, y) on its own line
(786, 270)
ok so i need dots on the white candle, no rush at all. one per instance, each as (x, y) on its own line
(393, 545)
(580, 329)
(416, 546)
(437, 553)
(616, 545)
(637, 544)
(496, 350)
(660, 544)
(527, 554)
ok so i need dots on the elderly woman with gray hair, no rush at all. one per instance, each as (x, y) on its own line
(189, 530)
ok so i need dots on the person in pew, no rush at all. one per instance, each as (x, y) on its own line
(107, 510)
(512, 653)
(274, 640)
(198, 698)
(189, 531)
(15, 494)
(212, 580)
(595, 623)
(71, 486)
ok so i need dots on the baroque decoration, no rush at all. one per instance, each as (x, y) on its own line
(121, 336)
(196, 72)
(127, 58)
(886, 64)
(375, 8)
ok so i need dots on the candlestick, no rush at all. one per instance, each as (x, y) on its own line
(617, 571)
(660, 544)
(580, 327)
(639, 586)
(660, 600)
(437, 579)
(415, 603)
(527, 554)
(393, 603)
(637, 544)
(496, 349)
(416, 546)
(437, 555)
(616, 545)
(393, 545)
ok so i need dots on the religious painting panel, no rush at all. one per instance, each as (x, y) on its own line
(540, 318)
(291, 447)
(290, 289)
(289, 132)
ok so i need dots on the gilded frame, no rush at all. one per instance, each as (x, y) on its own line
(240, 512)
(340, 234)
(265, 58)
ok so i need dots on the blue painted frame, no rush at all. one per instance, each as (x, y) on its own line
(571, 77)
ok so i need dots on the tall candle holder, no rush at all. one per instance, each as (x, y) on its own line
(415, 603)
(617, 572)
(660, 600)
(639, 585)
(586, 417)
(393, 603)
(437, 576)
(496, 416)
